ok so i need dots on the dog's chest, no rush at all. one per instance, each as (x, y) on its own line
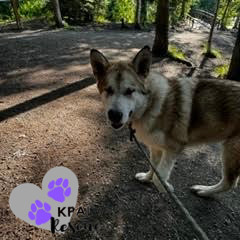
(154, 138)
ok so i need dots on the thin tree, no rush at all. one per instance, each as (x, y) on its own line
(144, 8)
(234, 69)
(237, 20)
(224, 16)
(15, 5)
(160, 45)
(138, 14)
(209, 43)
(144, 12)
(57, 13)
(183, 7)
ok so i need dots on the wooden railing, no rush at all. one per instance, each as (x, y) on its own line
(197, 14)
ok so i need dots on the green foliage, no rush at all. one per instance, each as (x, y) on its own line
(117, 10)
(189, 5)
(5, 11)
(222, 70)
(176, 52)
(210, 5)
(82, 11)
(151, 11)
(66, 26)
(28, 9)
(176, 9)
(78, 11)
(206, 5)
(232, 12)
(100, 18)
(100, 11)
(32, 8)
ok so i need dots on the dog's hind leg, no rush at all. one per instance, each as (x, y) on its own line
(230, 170)
(155, 158)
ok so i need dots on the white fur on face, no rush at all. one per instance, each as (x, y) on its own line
(130, 106)
(123, 104)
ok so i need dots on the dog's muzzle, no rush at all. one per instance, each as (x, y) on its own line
(115, 117)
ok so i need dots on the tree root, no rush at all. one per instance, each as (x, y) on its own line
(210, 55)
(157, 59)
(189, 64)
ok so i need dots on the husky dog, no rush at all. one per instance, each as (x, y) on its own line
(169, 115)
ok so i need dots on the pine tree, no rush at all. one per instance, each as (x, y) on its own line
(160, 46)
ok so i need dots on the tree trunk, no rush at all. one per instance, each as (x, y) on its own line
(144, 12)
(224, 16)
(234, 69)
(15, 6)
(160, 45)
(182, 15)
(138, 14)
(237, 21)
(57, 13)
(209, 44)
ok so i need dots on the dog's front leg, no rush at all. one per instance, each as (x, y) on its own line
(155, 158)
(164, 169)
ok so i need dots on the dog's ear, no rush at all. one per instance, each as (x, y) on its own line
(99, 64)
(142, 61)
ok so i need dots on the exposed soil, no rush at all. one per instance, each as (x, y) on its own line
(68, 129)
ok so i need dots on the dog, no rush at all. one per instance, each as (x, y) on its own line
(169, 115)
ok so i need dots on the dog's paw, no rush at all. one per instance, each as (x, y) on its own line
(200, 190)
(143, 177)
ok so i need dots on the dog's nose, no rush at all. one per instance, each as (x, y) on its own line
(114, 116)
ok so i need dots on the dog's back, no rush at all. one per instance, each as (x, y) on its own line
(215, 113)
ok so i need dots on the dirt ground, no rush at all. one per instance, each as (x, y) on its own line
(46, 123)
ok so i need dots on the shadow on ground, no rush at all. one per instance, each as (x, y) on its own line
(49, 59)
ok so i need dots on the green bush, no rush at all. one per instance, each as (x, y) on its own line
(222, 70)
(32, 8)
(232, 12)
(176, 52)
(100, 11)
(176, 9)
(117, 10)
(151, 12)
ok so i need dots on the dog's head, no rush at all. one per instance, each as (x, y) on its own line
(121, 85)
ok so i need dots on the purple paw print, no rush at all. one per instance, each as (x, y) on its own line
(59, 190)
(40, 212)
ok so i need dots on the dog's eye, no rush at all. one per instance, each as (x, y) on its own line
(129, 92)
(109, 91)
